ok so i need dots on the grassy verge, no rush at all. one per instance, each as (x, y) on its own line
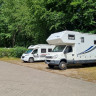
(80, 72)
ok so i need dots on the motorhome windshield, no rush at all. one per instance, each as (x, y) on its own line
(28, 51)
(59, 48)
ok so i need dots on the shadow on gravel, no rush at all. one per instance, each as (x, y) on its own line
(72, 66)
(81, 66)
(33, 62)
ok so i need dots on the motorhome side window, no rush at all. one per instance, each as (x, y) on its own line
(94, 41)
(68, 49)
(82, 39)
(50, 50)
(71, 37)
(43, 50)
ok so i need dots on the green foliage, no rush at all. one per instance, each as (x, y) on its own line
(27, 22)
(12, 52)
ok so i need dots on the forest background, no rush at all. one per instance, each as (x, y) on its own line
(29, 22)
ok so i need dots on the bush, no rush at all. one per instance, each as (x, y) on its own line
(12, 52)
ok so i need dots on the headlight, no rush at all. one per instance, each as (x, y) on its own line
(55, 56)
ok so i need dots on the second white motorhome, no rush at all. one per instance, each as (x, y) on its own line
(36, 52)
(71, 48)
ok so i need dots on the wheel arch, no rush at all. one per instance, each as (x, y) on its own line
(30, 58)
(63, 60)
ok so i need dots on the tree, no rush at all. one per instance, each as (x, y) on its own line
(26, 22)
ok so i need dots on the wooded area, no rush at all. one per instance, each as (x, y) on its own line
(28, 22)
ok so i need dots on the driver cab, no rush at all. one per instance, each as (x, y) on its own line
(68, 49)
(69, 53)
(35, 51)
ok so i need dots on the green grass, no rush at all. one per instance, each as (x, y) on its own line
(9, 58)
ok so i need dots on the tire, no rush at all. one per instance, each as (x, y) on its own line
(31, 60)
(62, 65)
(51, 66)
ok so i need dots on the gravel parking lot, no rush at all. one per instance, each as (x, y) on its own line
(87, 73)
(16, 80)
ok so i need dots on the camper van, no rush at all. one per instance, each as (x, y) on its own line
(36, 52)
(71, 48)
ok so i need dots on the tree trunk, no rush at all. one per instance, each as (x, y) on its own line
(13, 40)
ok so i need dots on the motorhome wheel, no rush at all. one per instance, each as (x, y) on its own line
(51, 66)
(63, 65)
(31, 60)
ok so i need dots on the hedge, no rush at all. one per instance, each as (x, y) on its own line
(12, 52)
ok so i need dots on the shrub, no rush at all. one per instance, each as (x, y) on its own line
(12, 52)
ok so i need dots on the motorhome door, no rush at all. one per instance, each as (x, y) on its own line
(69, 54)
(35, 53)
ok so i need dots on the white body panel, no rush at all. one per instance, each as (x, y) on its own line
(81, 51)
(61, 38)
(42, 51)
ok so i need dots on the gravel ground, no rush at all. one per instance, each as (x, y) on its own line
(16, 80)
(87, 73)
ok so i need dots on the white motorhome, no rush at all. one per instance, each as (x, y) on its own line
(36, 52)
(71, 48)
